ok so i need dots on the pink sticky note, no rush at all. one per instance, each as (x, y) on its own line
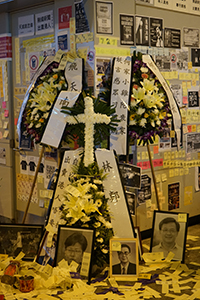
(6, 113)
(4, 104)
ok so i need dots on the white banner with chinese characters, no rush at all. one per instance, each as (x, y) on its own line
(113, 189)
(120, 95)
(57, 121)
(70, 159)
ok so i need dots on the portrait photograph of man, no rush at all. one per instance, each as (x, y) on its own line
(124, 257)
(169, 234)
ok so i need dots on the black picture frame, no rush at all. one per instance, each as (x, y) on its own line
(16, 238)
(169, 228)
(67, 242)
(116, 247)
(104, 14)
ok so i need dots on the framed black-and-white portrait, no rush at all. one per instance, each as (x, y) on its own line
(20, 238)
(75, 245)
(169, 232)
(104, 17)
(124, 258)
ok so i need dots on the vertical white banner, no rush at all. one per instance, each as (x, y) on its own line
(120, 99)
(57, 121)
(113, 189)
(70, 159)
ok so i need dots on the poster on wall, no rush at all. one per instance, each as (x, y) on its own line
(144, 193)
(142, 30)
(103, 73)
(197, 179)
(126, 29)
(172, 38)
(131, 175)
(64, 15)
(190, 37)
(82, 24)
(44, 22)
(182, 57)
(195, 57)
(63, 41)
(26, 25)
(104, 17)
(193, 142)
(193, 99)
(2, 156)
(178, 93)
(156, 32)
(173, 195)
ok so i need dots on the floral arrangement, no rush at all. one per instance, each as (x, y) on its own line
(149, 107)
(41, 99)
(84, 205)
(102, 119)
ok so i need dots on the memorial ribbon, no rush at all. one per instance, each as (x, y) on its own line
(120, 95)
(56, 124)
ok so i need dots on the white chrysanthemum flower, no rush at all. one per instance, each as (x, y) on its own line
(152, 123)
(97, 181)
(158, 122)
(144, 70)
(38, 125)
(30, 125)
(100, 240)
(105, 251)
(132, 122)
(140, 111)
(143, 122)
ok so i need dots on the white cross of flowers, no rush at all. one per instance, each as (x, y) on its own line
(89, 117)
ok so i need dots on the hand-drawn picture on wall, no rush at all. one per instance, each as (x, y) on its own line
(177, 92)
(156, 32)
(172, 38)
(104, 17)
(193, 99)
(173, 195)
(126, 30)
(195, 57)
(142, 30)
(190, 37)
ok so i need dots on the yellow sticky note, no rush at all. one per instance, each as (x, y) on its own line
(144, 276)
(182, 218)
(188, 195)
(189, 65)
(116, 246)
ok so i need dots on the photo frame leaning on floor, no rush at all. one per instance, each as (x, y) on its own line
(169, 231)
(124, 258)
(16, 238)
(75, 245)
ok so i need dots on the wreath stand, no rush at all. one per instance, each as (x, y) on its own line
(153, 175)
(33, 185)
